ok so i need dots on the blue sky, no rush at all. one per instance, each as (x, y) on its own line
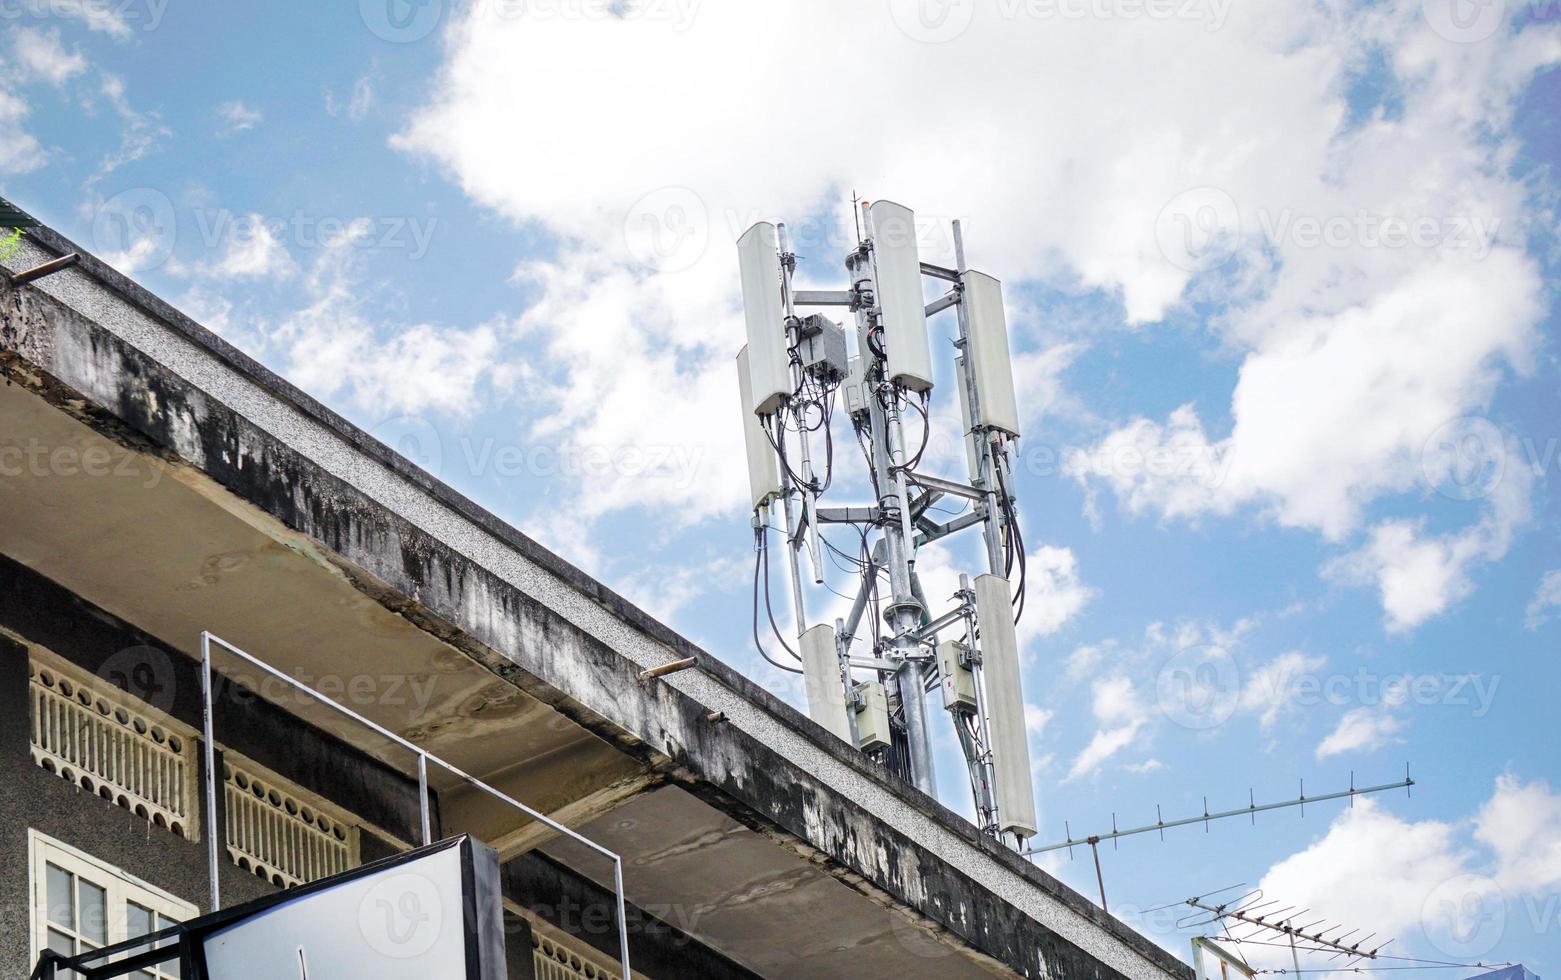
(1308, 255)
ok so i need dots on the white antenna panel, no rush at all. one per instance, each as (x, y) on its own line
(763, 473)
(994, 371)
(769, 372)
(897, 274)
(1005, 702)
(821, 675)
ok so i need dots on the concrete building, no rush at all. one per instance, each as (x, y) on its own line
(156, 483)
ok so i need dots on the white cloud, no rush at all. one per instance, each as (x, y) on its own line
(1546, 598)
(1036, 719)
(41, 55)
(1419, 576)
(358, 101)
(1361, 730)
(1087, 658)
(140, 132)
(1454, 883)
(1120, 715)
(1053, 592)
(1038, 381)
(1332, 411)
(331, 349)
(249, 249)
(20, 151)
(1370, 869)
(1521, 824)
(237, 117)
(1341, 341)
(1271, 688)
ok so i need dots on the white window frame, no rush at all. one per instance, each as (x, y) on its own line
(121, 889)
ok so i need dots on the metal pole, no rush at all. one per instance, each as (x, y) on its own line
(791, 559)
(984, 765)
(422, 797)
(1205, 817)
(623, 919)
(794, 336)
(208, 727)
(1100, 879)
(904, 612)
(991, 528)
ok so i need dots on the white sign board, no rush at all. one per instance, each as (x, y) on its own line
(431, 917)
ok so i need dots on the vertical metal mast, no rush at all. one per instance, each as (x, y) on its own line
(905, 611)
(992, 527)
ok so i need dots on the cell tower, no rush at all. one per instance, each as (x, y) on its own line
(796, 367)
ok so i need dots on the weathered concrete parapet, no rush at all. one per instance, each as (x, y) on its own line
(122, 361)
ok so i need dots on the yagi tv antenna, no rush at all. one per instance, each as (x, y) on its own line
(796, 373)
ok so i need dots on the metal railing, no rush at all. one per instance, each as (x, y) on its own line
(424, 757)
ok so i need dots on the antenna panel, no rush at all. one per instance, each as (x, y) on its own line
(821, 676)
(983, 298)
(769, 372)
(1005, 701)
(897, 276)
(763, 473)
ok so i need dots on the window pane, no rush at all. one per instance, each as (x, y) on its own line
(61, 943)
(93, 925)
(171, 968)
(62, 910)
(139, 921)
(139, 975)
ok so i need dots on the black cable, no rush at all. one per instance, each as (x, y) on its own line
(926, 436)
(758, 554)
(1014, 544)
(764, 550)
